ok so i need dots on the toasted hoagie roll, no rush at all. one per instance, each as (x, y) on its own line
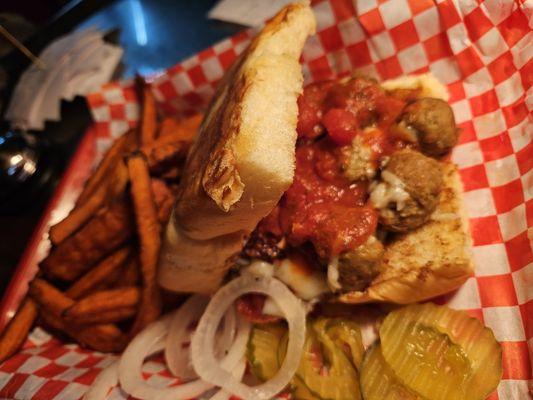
(242, 160)
(429, 261)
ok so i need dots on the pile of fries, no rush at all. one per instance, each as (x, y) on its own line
(97, 286)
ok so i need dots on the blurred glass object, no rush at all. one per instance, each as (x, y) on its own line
(26, 167)
(138, 22)
(157, 34)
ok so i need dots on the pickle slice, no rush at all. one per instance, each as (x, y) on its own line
(262, 350)
(298, 388)
(378, 381)
(345, 334)
(440, 353)
(300, 391)
(325, 371)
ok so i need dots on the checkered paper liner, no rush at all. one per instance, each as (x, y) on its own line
(482, 51)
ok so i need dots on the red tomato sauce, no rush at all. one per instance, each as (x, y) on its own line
(251, 306)
(322, 206)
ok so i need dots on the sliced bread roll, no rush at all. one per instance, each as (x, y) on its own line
(429, 261)
(243, 158)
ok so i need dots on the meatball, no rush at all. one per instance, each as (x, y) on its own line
(408, 192)
(429, 122)
(358, 160)
(355, 269)
(263, 246)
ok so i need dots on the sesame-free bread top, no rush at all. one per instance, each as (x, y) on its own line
(243, 158)
(429, 261)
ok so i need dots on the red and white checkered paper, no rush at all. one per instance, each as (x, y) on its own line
(482, 51)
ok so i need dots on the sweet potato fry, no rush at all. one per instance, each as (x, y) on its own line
(17, 330)
(103, 272)
(167, 156)
(111, 227)
(171, 139)
(48, 297)
(183, 130)
(77, 217)
(104, 317)
(149, 240)
(102, 337)
(168, 125)
(103, 193)
(148, 123)
(130, 274)
(164, 200)
(192, 124)
(118, 149)
(172, 174)
(52, 304)
(174, 133)
(107, 300)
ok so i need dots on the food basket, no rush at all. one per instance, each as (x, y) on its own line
(482, 52)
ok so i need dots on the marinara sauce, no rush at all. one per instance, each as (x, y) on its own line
(323, 206)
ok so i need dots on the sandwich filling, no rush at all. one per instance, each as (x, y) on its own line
(364, 173)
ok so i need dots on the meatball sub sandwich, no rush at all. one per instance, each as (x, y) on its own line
(341, 186)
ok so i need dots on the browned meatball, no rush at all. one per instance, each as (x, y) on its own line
(431, 123)
(408, 191)
(357, 268)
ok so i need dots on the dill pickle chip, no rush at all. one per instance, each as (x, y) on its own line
(440, 353)
(378, 381)
(300, 391)
(325, 371)
(262, 350)
(345, 334)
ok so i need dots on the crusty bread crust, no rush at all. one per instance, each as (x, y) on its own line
(430, 261)
(243, 158)
(201, 262)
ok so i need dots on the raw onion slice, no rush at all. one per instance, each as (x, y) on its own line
(150, 341)
(226, 337)
(104, 382)
(203, 341)
(177, 350)
(153, 340)
(238, 348)
(238, 373)
(177, 355)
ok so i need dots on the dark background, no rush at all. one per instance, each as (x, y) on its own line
(155, 34)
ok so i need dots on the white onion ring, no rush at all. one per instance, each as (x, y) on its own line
(104, 382)
(152, 340)
(238, 348)
(149, 341)
(202, 346)
(178, 358)
(238, 373)
(108, 378)
(227, 336)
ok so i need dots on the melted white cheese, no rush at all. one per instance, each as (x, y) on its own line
(271, 308)
(333, 275)
(390, 191)
(259, 268)
(307, 284)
